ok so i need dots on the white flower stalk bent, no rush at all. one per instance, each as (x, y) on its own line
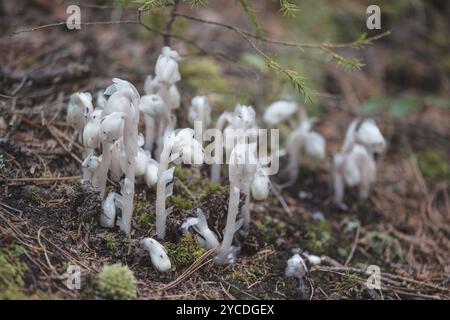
(366, 133)
(158, 254)
(204, 235)
(303, 139)
(178, 147)
(241, 170)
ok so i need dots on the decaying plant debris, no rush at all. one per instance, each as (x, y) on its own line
(49, 220)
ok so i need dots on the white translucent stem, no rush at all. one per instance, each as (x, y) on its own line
(130, 141)
(245, 210)
(161, 215)
(101, 174)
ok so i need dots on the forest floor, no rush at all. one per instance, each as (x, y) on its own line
(48, 220)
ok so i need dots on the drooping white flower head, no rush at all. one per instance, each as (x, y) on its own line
(279, 111)
(79, 108)
(111, 127)
(205, 236)
(152, 105)
(369, 135)
(244, 156)
(166, 68)
(188, 147)
(158, 254)
(200, 111)
(296, 267)
(358, 167)
(122, 93)
(260, 185)
(315, 146)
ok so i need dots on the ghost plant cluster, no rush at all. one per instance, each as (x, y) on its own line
(354, 165)
(115, 150)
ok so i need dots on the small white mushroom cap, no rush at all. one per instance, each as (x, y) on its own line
(108, 217)
(370, 136)
(279, 111)
(296, 267)
(315, 146)
(151, 173)
(260, 185)
(158, 254)
(111, 127)
(152, 105)
(166, 68)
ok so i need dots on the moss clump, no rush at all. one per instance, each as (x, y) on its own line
(184, 253)
(384, 244)
(116, 282)
(180, 203)
(237, 276)
(270, 230)
(34, 194)
(181, 173)
(111, 242)
(12, 273)
(210, 190)
(145, 217)
(433, 164)
(319, 236)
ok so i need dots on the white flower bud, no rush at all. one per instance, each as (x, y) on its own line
(315, 146)
(279, 111)
(205, 236)
(142, 161)
(260, 186)
(91, 131)
(79, 108)
(108, 217)
(152, 105)
(158, 254)
(166, 68)
(111, 127)
(370, 136)
(190, 149)
(244, 117)
(200, 111)
(151, 173)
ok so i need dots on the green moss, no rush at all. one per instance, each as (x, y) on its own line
(270, 230)
(180, 203)
(111, 242)
(184, 253)
(211, 189)
(318, 236)
(116, 282)
(12, 273)
(181, 174)
(238, 276)
(145, 217)
(34, 194)
(433, 164)
(384, 245)
(46, 175)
